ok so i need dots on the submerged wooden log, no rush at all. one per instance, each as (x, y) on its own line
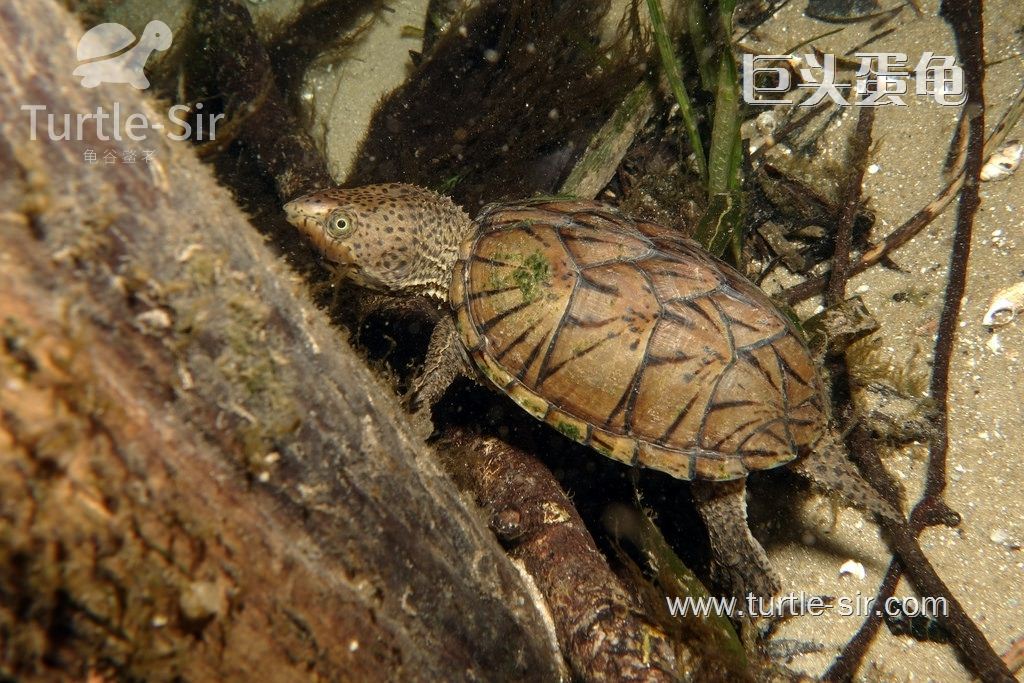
(190, 485)
(603, 633)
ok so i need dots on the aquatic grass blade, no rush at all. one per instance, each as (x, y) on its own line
(675, 80)
(703, 48)
(722, 225)
(676, 580)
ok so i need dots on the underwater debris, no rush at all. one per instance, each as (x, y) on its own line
(841, 11)
(1003, 162)
(923, 628)
(854, 569)
(1006, 304)
(801, 211)
(837, 327)
(1003, 538)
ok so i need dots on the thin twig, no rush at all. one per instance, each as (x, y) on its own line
(965, 17)
(916, 223)
(849, 660)
(852, 201)
(761, 21)
(902, 538)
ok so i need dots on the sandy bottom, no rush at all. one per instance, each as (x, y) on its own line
(981, 560)
(341, 93)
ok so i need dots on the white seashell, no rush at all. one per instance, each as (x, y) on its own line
(853, 568)
(153, 320)
(766, 123)
(1006, 304)
(1003, 538)
(1003, 162)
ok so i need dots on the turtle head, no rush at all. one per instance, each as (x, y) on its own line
(393, 238)
(157, 35)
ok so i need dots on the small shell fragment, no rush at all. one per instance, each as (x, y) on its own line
(154, 320)
(1003, 162)
(766, 123)
(1003, 538)
(853, 568)
(1006, 304)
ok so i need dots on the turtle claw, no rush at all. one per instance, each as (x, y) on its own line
(442, 365)
(423, 420)
(749, 579)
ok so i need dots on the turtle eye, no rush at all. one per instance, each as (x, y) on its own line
(338, 225)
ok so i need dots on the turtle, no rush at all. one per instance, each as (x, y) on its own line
(110, 54)
(621, 334)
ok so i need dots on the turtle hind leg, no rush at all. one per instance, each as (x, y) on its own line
(443, 364)
(739, 561)
(829, 470)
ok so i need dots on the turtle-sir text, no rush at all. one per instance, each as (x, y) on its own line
(183, 123)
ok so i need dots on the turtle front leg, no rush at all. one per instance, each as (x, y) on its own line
(445, 361)
(739, 561)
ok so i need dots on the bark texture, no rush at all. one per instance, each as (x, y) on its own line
(602, 630)
(195, 481)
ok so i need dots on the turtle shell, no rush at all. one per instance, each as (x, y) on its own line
(633, 340)
(104, 40)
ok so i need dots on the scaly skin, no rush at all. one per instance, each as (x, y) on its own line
(393, 238)
(396, 239)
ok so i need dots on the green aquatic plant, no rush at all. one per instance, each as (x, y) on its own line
(721, 227)
(673, 73)
(531, 275)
